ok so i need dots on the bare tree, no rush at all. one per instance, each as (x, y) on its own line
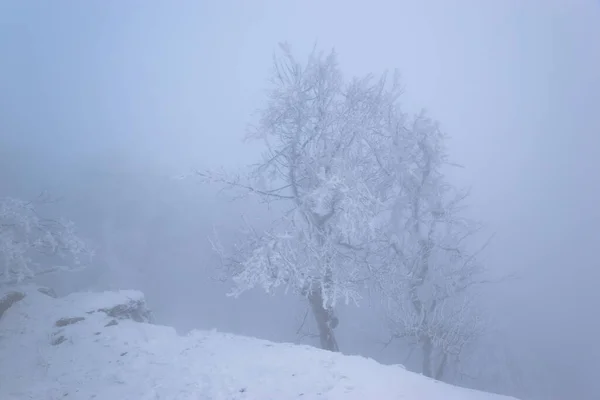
(318, 167)
(428, 270)
(30, 245)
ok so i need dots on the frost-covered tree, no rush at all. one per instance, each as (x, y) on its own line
(318, 167)
(31, 245)
(429, 272)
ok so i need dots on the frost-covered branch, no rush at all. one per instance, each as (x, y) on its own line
(367, 203)
(317, 130)
(430, 272)
(31, 245)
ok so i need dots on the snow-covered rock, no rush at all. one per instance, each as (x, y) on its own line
(89, 346)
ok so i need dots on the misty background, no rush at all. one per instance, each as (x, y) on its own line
(102, 104)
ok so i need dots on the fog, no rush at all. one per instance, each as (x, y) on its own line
(102, 104)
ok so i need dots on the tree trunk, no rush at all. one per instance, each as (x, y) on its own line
(427, 348)
(439, 374)
(326, 320)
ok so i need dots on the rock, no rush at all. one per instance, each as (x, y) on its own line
(48, 292)
(68, 321)
(134, 309)
(8, 299)
(58, 340)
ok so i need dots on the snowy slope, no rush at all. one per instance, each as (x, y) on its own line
(108, 356)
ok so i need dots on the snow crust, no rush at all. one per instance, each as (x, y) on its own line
(48, 352)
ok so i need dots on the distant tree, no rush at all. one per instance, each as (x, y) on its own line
(429, 272)
(317, 166)
(31, 245)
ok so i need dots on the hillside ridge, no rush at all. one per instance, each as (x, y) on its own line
(104, 346)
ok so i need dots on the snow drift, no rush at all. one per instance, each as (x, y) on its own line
(103, 346)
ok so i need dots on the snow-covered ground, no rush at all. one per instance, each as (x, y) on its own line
(47, 351)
